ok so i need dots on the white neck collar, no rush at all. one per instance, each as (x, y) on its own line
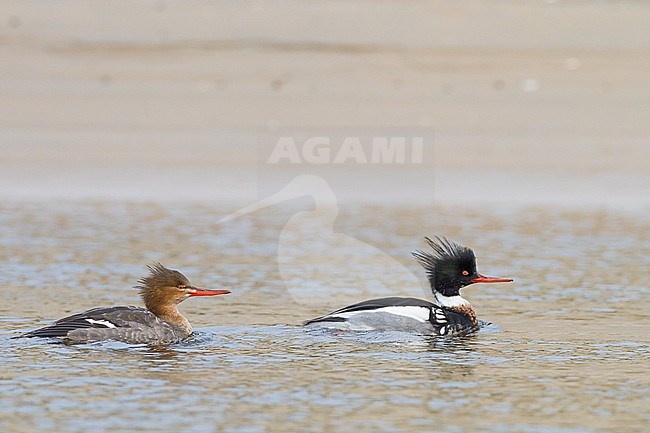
(450, 301)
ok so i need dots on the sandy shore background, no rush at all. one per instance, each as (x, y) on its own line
(542, 102)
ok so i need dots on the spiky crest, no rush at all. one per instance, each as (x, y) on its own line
(160, 276)
(445, 264)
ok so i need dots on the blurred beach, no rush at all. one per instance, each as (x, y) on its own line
(538, 103)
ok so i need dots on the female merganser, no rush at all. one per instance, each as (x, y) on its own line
(449, 268)
(160, 323)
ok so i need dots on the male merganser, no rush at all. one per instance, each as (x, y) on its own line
(449, 268)
(160, 323)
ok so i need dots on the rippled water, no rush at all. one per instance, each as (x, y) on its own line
(568, 350)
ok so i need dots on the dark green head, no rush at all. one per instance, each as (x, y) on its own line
(451, 266)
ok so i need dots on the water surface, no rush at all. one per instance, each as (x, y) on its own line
(568, 350)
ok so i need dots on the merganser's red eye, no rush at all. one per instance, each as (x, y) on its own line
(465, 273)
